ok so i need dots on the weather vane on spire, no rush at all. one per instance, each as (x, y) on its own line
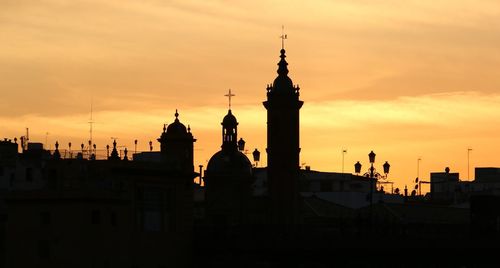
(229, 95)
(283, 37)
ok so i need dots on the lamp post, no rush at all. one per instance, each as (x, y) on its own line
(201, 170)
(241, 145)
(371, 157)
(373, 175)
(357, 168)
(256, 157)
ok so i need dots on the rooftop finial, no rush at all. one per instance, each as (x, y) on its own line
(283, 37)
(282, 64)
(229, 95)
(57, 154)
(176, 114)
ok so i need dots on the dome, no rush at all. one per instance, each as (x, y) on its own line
(232, 163)
(176, 128)
(283, 83)
(229, 120)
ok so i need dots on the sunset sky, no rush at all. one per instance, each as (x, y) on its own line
(408, 79)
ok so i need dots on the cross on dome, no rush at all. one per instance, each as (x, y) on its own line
(229, 95)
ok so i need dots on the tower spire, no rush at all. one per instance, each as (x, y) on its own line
(282, 65)
(229, 95)
(283, 145)
(283, 36)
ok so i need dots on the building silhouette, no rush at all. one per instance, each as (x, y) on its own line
(228, 178)
(283, 145)
(83, 210)
(76, 212)
(176, 146)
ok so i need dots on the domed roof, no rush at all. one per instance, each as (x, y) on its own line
(176, 127)
(229, 119)
(233, 163)
(283, 83)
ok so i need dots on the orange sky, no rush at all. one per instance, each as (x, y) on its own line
(406, 79)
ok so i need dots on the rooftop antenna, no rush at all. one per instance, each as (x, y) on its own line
(229, 95)
(469, 149)
(27, 137)
(283, 36)
(91, 122)
(344, 152)
(46, 139)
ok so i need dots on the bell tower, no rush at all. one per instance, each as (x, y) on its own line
(176, 143)
(283, 145)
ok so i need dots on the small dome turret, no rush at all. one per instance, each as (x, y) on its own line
(176, 145)
(176, 127)
(229, 120)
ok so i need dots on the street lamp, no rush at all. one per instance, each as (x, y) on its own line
(241, 145)
(373, 176)
(357, 168)
(201, 170)
(371, 157)
(386, 167)
(256, 157)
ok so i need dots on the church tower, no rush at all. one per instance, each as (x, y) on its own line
(283, 147)
(228, 180)
(176, 146)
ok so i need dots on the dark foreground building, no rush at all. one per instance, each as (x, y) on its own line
(103, 213)
(284, 216)
(58, 211)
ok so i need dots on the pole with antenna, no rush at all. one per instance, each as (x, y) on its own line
(418, 175)
(468, 163)
(418, 167)
(283, 37)
(344, 151)
(91, 122)
(46, 140)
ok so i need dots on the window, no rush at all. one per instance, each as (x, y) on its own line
(153, 209)
(45, 218)
(52, 179)
(44, 249)
(152, 221)
(12, 178)
(113, 218)
(356, 186)
(96, 217)
(325, 186)
(29, 174)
